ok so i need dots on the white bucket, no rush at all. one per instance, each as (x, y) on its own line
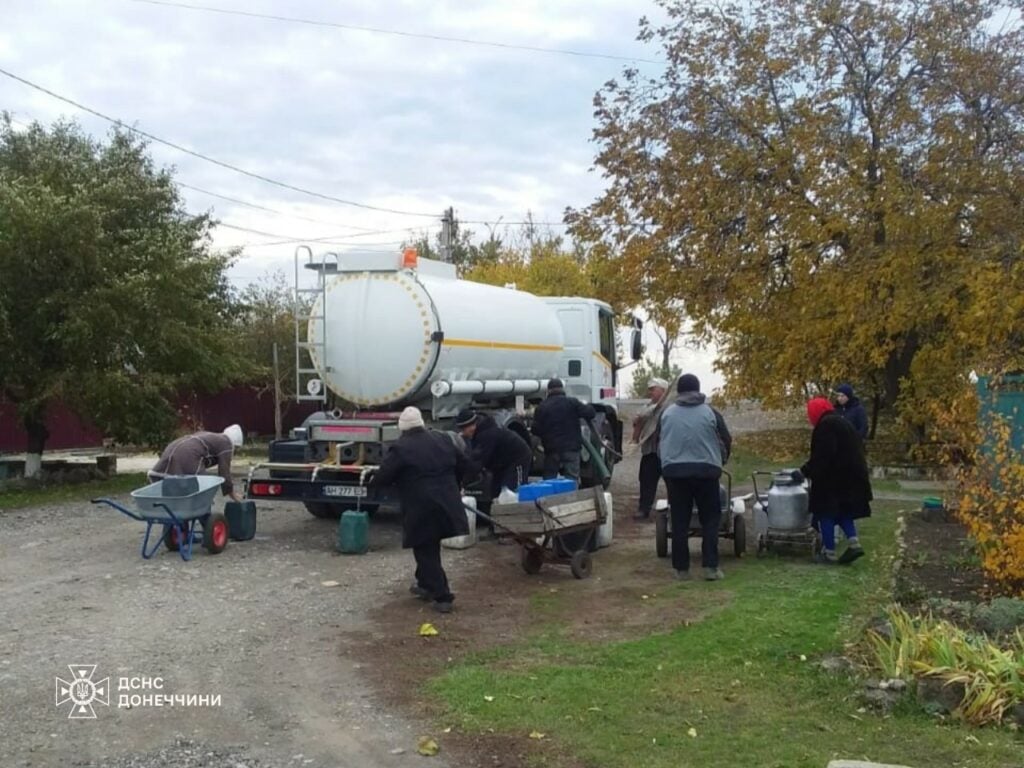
(604, 533)
(469, 539)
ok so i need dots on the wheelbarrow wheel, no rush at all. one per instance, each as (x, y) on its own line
(739, 536)
(661, 534)
(532, 559)
(215, 534)
(172, 538)
(581, 564)
(762, 545)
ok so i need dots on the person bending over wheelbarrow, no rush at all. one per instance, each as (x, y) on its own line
(194, 454)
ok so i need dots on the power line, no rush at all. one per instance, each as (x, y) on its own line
(207, 158)
(259, 177)
(268, 210)
(397, 32)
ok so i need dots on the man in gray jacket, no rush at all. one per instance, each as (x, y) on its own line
(694, 445)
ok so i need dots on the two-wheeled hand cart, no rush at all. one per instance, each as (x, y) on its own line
(181, 506)
(538, 527)
(782, 519)
(733, 525)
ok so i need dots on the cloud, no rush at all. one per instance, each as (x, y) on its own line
(395, 122)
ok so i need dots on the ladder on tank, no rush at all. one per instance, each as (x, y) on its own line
(308, 384)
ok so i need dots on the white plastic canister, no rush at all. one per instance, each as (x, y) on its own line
(604, 533)
(469, 539)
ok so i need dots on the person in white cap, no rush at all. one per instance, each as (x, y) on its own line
(427, 468)
(650, 462)
(194, 454)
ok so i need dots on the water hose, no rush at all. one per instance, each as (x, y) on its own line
(602, 469)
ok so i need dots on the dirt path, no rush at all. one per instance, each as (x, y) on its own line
(253, 625)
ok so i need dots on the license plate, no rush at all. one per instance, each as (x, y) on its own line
(350, 491)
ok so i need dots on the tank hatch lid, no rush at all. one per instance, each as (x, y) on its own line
(434, 268)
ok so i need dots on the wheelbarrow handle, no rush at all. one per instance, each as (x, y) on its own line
(165, 508)
(119, 508)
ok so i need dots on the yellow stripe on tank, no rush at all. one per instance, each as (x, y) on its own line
(501, 345)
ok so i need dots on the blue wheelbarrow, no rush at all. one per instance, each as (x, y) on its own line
(181, 506)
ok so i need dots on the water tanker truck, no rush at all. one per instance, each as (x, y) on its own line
(380, 332)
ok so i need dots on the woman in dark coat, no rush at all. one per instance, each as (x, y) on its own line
(427, 468)
(840, 488)
(851, 409)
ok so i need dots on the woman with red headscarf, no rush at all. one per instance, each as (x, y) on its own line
(840, 488)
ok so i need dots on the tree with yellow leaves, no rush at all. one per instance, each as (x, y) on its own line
(832, 188)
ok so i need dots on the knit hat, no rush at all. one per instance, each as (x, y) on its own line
(688, 383)
(466, 417)
(411, 418)
(816, 408)
(845, 389)
(555, 384)
(234, 432)
(656, 382)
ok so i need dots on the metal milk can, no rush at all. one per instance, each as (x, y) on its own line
(787, 504)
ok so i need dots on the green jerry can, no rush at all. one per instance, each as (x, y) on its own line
(241, 517)
(354, 533)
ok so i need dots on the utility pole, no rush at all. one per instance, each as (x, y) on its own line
(447, 227)
(277, 397)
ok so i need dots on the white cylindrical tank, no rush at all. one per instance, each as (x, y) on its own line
(393, 333)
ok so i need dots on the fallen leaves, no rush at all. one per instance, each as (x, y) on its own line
(427, 747)
(537, 735)
(692, 733)
(428, 630)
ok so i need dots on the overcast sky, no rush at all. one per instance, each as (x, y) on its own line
(390, 121)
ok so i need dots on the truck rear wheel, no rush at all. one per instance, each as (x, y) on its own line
(327, 510)
(324, 510)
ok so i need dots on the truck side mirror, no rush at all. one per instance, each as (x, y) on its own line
(636, 347)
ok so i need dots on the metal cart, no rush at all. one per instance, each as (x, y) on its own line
(733, 526)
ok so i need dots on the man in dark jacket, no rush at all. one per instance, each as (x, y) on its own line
(840, 487)
(427, 468)
(500, 451)
(694, 444)
(557, 424)
(850, 408)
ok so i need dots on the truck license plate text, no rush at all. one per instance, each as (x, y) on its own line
(353, 491)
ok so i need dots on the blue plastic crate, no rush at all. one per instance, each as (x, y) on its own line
(534, 491)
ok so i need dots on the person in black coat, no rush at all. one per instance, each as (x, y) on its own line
(850, 408)
(557, 423)
(500, 451)
(840, 487)
(427, 468)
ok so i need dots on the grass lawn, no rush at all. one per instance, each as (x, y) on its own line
(38, 495)
(742, 678)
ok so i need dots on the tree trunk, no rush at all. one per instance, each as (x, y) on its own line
(35, 426)
(897, 367)
(876, 406)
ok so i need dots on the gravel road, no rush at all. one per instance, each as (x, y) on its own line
(253, 625)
